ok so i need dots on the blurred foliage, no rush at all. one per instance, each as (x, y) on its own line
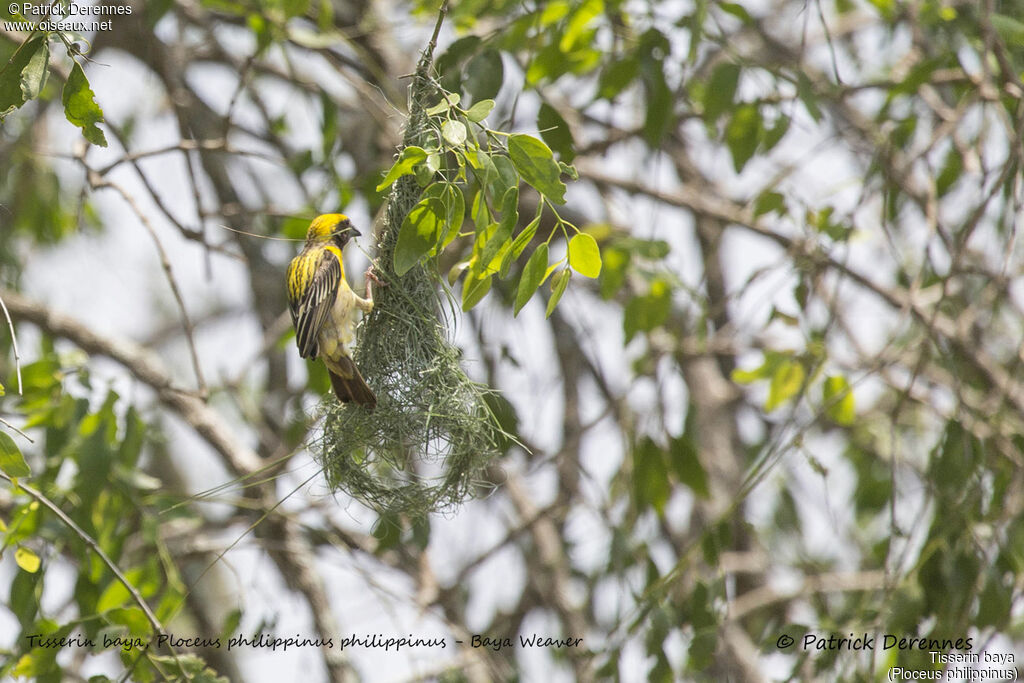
(88, 463)
(868, 151)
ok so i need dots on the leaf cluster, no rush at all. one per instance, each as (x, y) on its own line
(471, 173)
(87, 463)
(24, 77)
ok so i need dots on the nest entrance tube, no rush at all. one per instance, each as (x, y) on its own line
(432, 432)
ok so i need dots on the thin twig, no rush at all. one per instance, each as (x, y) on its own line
(14, 344)
(826, 583)
(95, 547)
(165, 263)
(13, 428)
(441, 13)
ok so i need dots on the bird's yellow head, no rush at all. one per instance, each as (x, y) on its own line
(334, 227)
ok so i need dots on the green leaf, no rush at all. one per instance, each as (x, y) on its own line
(455, 209)
(259, 25)
(839, 405)
(27, 559)
(454, 132)
(533, 275)
(186, 667)
(114, 595)
(558, 285)
(131, 617)
(775, 134)
(769, 201)
(517, 245)
(555, 131)
(407, 161)
(616, 77)
(12, 94)
(301, 161)
(134, 437)
(433, 162)
(554, 11)
(420, 231)
(577, 25)
(654, 250)
(480, 212)
(485, 74)
(805, 91)
(80, 106)
(33, 76)
(822, 222)
(231, 622)
(548, 63)
(787, 380)
(721, 90)
(294, 228)
(12, 462)
(421, 531)
(1009, 29)
(456, 271)
(952, 170)
(701, 653)
(547, 273)
(95, 454)
(294, 8)
(423, 174)
(661, 670)
(645, 313)
(737, 10)
(505, 266)
(536, 164)
(25, 592)
(660, 115)
(447, 102)
(479, 111)
(584, 255)
(920, 74)
(524, 238)
(994, 603)
(743, 133)
(772, 360)
(504, 176)
(651, 486)
(449, 64)
(33, 664)
(474, 289)
(387, 531)
(503, 233)
(745, 376)
(683, 457)
(613, 271)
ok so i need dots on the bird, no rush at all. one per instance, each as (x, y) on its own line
(324, 308)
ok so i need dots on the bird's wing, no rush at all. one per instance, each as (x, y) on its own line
(316, 302)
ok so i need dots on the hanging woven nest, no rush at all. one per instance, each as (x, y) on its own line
(432, 433)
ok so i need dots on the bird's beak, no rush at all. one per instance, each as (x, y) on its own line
(355, 233)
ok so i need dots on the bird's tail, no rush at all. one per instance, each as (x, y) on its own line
(352, 388)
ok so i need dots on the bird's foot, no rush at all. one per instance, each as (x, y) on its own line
(371, 276)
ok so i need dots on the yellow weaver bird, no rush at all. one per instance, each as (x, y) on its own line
(324, 308)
